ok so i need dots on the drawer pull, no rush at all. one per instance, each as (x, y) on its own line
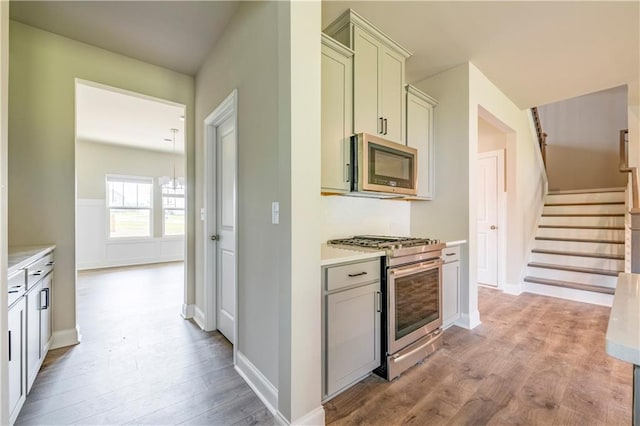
(450, 254)
(358, 274)
(14, 291)
(37, 273)
(51, 263)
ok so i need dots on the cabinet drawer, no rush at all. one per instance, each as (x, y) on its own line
(354, 273)
(451, 254)
(39, 269)
(17, 286)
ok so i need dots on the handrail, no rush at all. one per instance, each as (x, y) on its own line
(624, 168)
(542, 136)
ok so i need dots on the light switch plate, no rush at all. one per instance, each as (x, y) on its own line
(275, 212)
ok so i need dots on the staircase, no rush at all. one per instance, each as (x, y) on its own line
(579, 246)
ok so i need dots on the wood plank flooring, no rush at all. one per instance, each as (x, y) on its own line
(139, 362)
(534, 360)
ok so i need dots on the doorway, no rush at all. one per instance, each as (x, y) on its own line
(492, 201)
(130, 192)
(221, 218)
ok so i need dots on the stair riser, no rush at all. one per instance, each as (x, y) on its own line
(584, 234)
(580, 247)
(579, 261)
(596, 209)
(570, 294)
(583, 221)
(585, 198)
(576, 277)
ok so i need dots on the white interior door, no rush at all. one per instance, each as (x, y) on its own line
(487, 181)
(226, 227)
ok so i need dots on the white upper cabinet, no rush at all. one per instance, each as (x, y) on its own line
(420, 136)
(337, 114)
(378, 76)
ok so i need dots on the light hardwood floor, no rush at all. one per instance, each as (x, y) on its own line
(139, 362)
(534, 360)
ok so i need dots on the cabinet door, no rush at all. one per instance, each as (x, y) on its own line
(33, 333)
(392, 95)
(45, 315)
(366, 79)
(450, 295)
(17, 384)
(420, 136)
(353, 335)
(337, 118)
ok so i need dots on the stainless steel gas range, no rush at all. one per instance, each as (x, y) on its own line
(412, 298)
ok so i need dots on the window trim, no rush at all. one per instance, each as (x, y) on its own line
(128, 179)
(163, 208)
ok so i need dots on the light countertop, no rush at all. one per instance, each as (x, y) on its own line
(623, 332)
(331, 255)
(21, 256)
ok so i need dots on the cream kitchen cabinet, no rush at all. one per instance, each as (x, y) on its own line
(352, 306)
(337, 114)
(420, 136)
(450, 286)
(17, 361)
(378, 76)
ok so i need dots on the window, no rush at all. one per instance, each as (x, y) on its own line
(129, 201)
(172, 209)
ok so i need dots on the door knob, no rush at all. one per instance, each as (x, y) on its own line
(214, 238)
(493, 227)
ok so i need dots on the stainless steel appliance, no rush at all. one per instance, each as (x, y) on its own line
(412, 298)
(382, 166)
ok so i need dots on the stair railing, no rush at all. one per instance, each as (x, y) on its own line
(542, 136)
(635, 200)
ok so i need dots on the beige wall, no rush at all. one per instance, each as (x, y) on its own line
(96, 160)
(490, 138)
(582, 146)
(42, 163)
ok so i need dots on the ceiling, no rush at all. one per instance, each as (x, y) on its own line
(172, 34)
(111, 116)
(536, 52)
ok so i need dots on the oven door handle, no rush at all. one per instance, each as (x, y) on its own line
(412, 269)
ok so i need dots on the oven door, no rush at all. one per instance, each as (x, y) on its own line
(414, 302)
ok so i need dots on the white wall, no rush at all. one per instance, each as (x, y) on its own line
(582, 142)
(4, 103)
(278, 83)
(42, 163)
(347, 216)
(94, 161)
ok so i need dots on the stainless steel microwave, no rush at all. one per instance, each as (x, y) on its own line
(382, 166)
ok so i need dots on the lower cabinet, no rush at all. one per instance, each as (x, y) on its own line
(38, 327)
(352, 333)
(450, 286)
(17, 362)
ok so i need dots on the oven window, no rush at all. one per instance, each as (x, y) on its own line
(417, 301)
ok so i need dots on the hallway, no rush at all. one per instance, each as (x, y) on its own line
(139, 361)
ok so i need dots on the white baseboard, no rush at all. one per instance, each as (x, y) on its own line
(570, 294)
(188, 311)
(68, 337)
(198, 317)
(513, 289)
(312, 418)
(469, 321)
(265, 390)
(82, 266)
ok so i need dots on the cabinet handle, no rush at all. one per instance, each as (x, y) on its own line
(37, 273)
(9, 345)
(450, 254)
(378, 301)
(381, 131)
(385, 126)
(357, 274)
(46, 295)
(50, 263)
